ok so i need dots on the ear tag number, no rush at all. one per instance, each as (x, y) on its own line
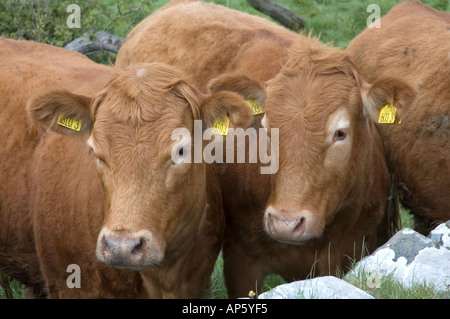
(69, 122)
(387, 115)
(256, 107)
(221, 126)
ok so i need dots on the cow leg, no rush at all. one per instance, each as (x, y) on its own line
(242, 271)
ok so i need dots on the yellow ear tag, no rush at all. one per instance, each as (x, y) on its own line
(221, 126)
(387, 115)
(256, 107)
(69, 122)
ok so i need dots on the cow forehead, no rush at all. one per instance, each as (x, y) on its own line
(139, 107)
(308, 104)
(120, 139)
(141, 92)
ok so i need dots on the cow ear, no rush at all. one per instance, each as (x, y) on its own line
(223, 105)
(191, 94)
(387, 91)
(62, 111)
(238, 83)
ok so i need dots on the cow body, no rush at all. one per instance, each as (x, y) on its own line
(112, 207)
(203, 30)
(324, 208)
(22, 77)
(327, 199)
(414, 43)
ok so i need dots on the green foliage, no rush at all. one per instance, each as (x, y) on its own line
(16, 290)
(340, 21)
(46, 20)
(38, 20)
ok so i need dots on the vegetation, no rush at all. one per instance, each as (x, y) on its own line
(334, 21)
(45, 20)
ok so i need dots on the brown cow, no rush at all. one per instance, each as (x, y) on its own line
(326, 201)
(126, 197)
(203, 30)
(26, 68)
(413, 43)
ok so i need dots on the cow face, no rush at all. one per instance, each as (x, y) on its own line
(326, 142)
(155, 196)
(324, 111)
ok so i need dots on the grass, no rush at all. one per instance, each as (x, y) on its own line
(387, 287)
(337, 21)
(16, 289)
(219, 290)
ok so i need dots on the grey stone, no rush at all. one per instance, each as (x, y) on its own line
(407, 244)
(328, 287)
(410, 258)
(441, 235)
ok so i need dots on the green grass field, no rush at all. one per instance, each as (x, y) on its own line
(336, 21)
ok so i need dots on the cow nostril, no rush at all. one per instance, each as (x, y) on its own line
(109, 243)
(299, 229)
(286, 227)
(128, 250)
(139, 246)
(270, 224)
(123, 245)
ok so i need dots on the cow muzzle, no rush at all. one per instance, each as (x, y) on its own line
(287, 227)
(128, 250)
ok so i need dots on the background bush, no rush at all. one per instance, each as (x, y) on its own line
(44, 21)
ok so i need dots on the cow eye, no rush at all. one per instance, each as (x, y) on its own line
(181, 151)
(339, 135)
(180, 155)
(99, 161)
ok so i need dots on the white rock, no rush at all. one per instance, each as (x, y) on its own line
(328, 287)
(410, 258)
(441, 235)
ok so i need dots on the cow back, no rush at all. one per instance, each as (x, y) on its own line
(413, 44)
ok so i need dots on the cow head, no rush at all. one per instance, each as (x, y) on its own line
(323, 110)
(154, 197)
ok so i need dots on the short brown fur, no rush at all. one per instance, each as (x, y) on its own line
(301, 81)
(58, 198)
(413, 44)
